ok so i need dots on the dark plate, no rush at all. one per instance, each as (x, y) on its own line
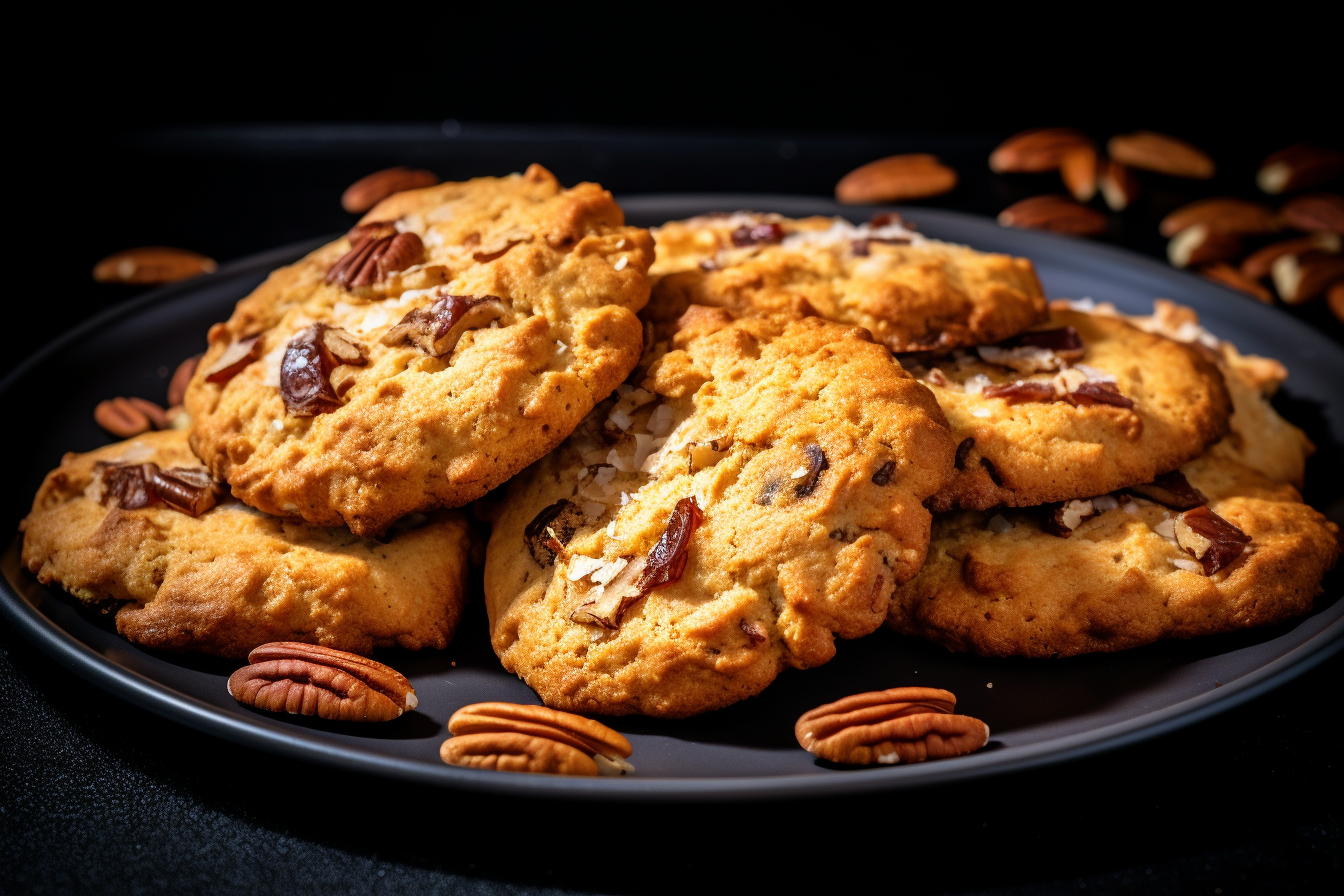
(1039, 711)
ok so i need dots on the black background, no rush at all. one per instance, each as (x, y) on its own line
(239, 144)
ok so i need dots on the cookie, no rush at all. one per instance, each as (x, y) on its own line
(1257, 436)
(1000, 584)
(229, 578)
(1082, 405)
(911, 293)
(456, 335)
(754, 492)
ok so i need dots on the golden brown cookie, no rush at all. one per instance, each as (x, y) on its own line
(756, 494)
(1081, 405)
(458, 334)
(1000, 584)
(1257, 436)
(230, 578)
(911, 293)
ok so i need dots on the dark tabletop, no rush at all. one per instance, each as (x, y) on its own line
(96, 794)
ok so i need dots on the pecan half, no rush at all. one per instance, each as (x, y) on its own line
(1040, 149)
(372, 189)
(436, 329)
(551, 529)
(816, 463)
(608, 748)
(375, 255)
(305, 679)
(177, 386)
(152, 264)
(1316, 212)
(125, 417)
(1161, 153)
(1299, 167)
(1058, 214)
(235, 358)
(305, 370)
(896, 179)
(888, 727)
(508, 752)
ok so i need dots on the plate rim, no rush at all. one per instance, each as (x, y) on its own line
(63, 647)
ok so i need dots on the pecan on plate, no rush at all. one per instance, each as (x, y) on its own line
(126, 417)
(889, 727)
(506, 751)
(607, 749)
(305, 679)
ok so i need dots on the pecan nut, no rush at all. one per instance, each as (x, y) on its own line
(896, 179)
(1058, 214)
(890, 727)
(377, 251)
(1301, 278)
(608, 749)
(1223, 215)
(1118, 185)
(1315, 212)
(152, 264)
(1299, 167)
(372, 189)
(238, 355)
(1199, 244)
(507, 751)
(126, 417)
(1078, 169)
(1161, 153)
(1034, 151)
(177, 386)
(1260, 263)
(306, 679)
(1223, 273)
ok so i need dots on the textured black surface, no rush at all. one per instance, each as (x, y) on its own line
(96, 795)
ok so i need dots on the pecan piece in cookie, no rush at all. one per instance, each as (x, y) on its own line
(1209, 538)
(306, 371)
(237, 356)
(551, 529)
(1173, 490)
(377, 251)
(435, 330)
(889, 727)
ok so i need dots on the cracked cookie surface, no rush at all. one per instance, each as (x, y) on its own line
(999, 584)
(232, 578)
(807, 452)
(411, 423)
(1122, 409)
(911, 293)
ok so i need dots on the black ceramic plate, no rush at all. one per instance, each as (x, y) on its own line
(1039, 711)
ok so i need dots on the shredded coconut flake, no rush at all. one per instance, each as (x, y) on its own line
(1104, 503)
(621, 263)
(976, 384)
(1166, 528)
(611, 529)
(980, 412)
(560, 345)
(1189, 565)
(798, 473)
(277, 424)
(581, 566)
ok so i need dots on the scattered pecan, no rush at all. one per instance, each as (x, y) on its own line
(1223, 215)
(372, 189)
(1260, 263)
(1058, 214)
(237, 356)
(177, 386)
(754, 234)
(1161, 153)
(508, 752)
(551, 529)
(888, 727)
(1301, 278)
(1315, 212)
(152, 264)
(1118, 185)
(664, 565)
(305, 679)
(1299, 167)
(1037, 150)
(1199, 245)
(1209, 538)
(436, 329)
(126, 417)
(1172, 490)
(375, 254)
(608, 748)
(896, 179)
(305, 371)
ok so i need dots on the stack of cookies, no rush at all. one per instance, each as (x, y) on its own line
(701, 469)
